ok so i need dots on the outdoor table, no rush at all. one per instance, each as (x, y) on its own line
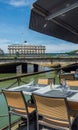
(43, 89)
(57, 91)
(71, 95)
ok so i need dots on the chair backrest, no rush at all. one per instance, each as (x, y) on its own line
(66, 76)
(52, 107)
(15, 99)
(45, 81)
(71, 83)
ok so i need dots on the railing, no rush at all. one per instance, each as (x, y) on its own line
(18, 77)
(17, 81)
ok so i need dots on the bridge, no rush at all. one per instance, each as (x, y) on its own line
(39, 60)
(21, 64)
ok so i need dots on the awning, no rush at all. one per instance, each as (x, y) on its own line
(58, 18)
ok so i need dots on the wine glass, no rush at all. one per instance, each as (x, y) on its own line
(65, 87)
(63, 83)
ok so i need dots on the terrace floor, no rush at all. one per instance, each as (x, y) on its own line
(32, 127)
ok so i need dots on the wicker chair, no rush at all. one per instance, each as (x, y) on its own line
(45, 81)
(54, 112)
(17, 105)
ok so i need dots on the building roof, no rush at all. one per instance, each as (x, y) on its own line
(58, 18)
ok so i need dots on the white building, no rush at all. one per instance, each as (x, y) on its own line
(26, 49)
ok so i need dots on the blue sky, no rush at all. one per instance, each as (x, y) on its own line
(14, 28)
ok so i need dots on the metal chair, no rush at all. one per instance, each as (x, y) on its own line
(17, 105)
(54, 112)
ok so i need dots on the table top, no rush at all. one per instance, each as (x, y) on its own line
(71, 95)
(28, 88)
(58, 93)
(54, 91)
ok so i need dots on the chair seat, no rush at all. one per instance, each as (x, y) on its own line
(23, 113)
(54, 123)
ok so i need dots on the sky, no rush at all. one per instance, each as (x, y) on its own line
(14, 28)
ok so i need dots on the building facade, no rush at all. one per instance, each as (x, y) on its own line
(26, 49)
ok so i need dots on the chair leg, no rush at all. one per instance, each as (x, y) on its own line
(9, 121)
(37, 126)
(28, 127)
(37, 123)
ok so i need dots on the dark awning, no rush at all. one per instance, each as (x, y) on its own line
(58, 18)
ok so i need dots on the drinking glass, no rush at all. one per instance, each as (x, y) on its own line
(65, 87)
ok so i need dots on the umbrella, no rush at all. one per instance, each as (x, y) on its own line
(58, 18)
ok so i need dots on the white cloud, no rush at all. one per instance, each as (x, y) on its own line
(18, 3)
